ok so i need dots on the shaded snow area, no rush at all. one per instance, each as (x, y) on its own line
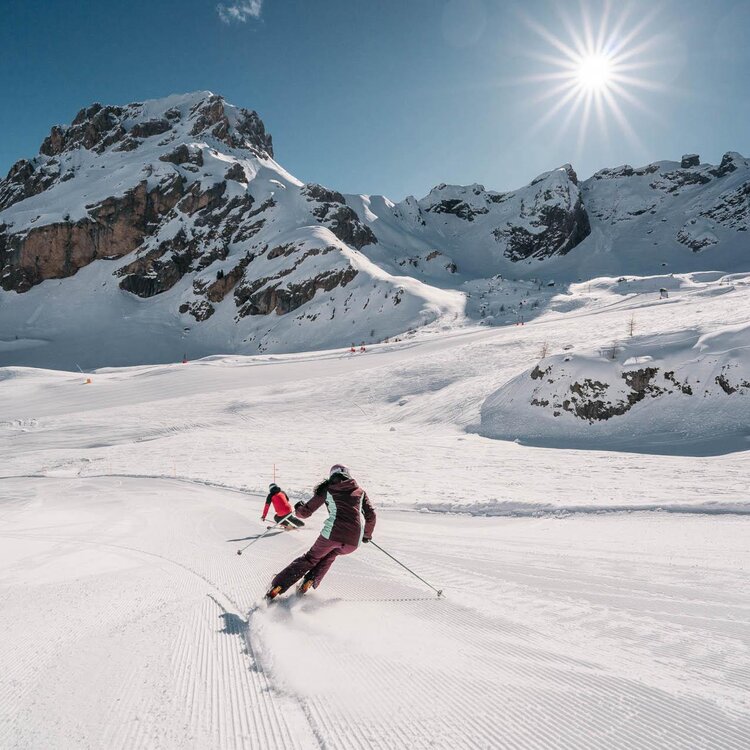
(593, 598)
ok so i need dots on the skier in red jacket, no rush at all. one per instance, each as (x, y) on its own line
(281, 507)
(351, 519)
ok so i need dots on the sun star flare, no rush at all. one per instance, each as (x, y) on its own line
(594, 70)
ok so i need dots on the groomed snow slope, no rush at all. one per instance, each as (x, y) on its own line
(129, 622)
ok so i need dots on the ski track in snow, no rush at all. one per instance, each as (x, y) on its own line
(541, 642)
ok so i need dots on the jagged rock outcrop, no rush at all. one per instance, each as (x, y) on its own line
(553, 231)
(244, 130)
(690, 160)
(331, 209)
(593, 399)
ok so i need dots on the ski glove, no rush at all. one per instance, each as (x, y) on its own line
(366, 539)
(298, 505)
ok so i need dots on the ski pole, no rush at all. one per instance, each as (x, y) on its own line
(258, 538)
(439, 591)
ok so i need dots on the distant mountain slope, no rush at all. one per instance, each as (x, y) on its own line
(682, 216)
(168, 227)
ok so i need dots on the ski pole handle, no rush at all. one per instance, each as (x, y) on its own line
(439, 591)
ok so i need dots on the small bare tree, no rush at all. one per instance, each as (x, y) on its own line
(631, 326)
(613, 350)
(544, 351)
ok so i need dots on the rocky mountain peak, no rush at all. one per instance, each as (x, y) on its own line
(565, 172)
(203, 113)
(237, 127)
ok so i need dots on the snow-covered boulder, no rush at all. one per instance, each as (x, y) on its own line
(673, 392)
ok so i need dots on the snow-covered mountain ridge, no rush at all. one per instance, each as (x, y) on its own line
(169, 225)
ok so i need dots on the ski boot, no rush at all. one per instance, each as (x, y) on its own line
(273, 592)
(305, 586)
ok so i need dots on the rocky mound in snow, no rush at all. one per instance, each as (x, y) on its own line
(681, 392)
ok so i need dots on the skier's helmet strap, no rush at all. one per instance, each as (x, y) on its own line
(340, 469)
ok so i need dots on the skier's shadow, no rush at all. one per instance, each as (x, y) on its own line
(233, 624)
(250, 538)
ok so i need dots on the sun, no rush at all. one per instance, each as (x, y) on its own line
(595, 67)
(594, 72)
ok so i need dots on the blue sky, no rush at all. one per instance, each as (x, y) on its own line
(393, 96)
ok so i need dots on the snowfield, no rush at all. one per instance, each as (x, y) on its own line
(593, 598)
(129, 622)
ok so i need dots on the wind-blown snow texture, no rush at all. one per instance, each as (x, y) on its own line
(144, 232)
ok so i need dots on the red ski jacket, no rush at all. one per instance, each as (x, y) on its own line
(350, 513)
(281, 504)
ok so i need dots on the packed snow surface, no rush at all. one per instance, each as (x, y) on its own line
(129, 622)
(593, 598)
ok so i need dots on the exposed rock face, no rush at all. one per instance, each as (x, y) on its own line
(696, 240)
(94, 128)
(690, 160)
(729, 163)
(184, 155)
(732, 209)
(340, 218)
(459, 208)
(25, 180)
(115, 228)
(237, 173)
(263, 297)
(248, 131)
(160, 269)
(596, 400)
(561, 231)
(731, 385)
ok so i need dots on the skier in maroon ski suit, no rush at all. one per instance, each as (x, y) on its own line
(351, 519)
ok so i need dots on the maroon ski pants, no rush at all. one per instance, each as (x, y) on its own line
(316, 562)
